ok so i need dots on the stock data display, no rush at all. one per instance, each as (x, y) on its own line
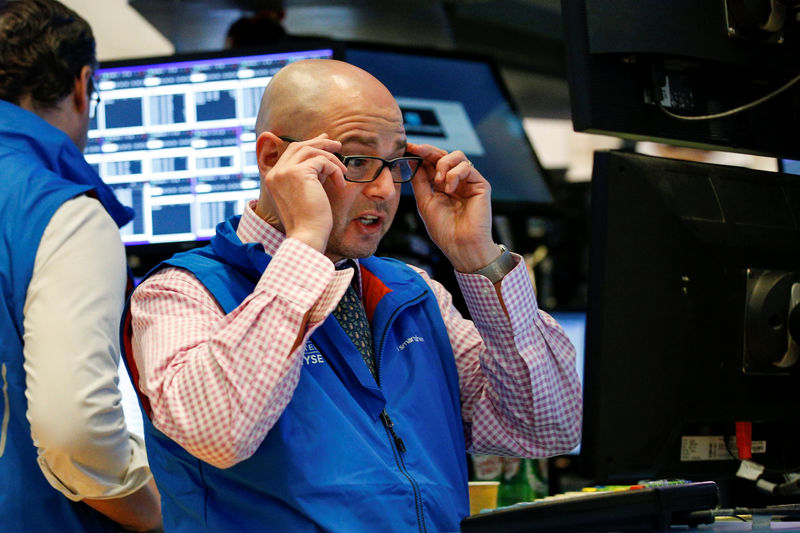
(176, 140)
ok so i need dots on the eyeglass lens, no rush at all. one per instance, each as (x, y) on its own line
(368, 168)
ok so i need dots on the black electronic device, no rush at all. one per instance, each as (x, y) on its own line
(641, 509)
(458, 101)
(636, 66)
(692, 321)
(174, 138)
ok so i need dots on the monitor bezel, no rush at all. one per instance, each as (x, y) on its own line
(504, 207)
(609, 71)
(614, 447)
(202, 55)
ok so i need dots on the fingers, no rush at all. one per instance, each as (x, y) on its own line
(423, 181)
(443, 171)
(449, 180)
(316, 154)
(426, 151)
(320, 142)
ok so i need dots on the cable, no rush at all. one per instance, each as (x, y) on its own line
(785, 511)
(735, 110)
(789, 488)
(745, 514)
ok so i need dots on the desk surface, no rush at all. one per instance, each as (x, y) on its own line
(738, 525)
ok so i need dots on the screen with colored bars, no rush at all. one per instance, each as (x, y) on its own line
(174, 138)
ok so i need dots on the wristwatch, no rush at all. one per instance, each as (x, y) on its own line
(497, 269)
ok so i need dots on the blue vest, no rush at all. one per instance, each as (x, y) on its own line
(40, 169)
(331, 462)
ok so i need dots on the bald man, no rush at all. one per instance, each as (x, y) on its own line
(265, 414)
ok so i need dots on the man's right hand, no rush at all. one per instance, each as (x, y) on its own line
(295, 182)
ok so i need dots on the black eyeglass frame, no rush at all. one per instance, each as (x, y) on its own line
(384, 162)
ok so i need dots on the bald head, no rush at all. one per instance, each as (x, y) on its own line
(301, 92)
(330, 106)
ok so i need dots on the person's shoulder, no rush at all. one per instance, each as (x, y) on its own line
(20, 165)
(193, 262)
(85, 212)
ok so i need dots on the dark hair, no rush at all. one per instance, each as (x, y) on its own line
(43, 47)
(263, 28)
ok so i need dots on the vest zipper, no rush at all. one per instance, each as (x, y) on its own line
(379, 347)
(397, 444)
(6, 412)
(399, 448)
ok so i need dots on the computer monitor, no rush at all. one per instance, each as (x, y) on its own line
(174, 139)
(458, 101)
(574, 325)
(692, 320)
(789, 166)
(635, 66)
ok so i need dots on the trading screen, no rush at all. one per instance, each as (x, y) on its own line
(459, 102)
(175, 140)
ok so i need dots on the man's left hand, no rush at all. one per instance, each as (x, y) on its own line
(454, 201)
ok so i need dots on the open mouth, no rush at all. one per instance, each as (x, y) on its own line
(368, 220)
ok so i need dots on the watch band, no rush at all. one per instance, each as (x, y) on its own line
(497, 269)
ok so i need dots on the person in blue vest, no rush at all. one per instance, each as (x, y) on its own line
(67, 460)
(294, 382)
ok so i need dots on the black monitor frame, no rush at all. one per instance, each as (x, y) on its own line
(505, 202)
(624, 56)
(675, 250)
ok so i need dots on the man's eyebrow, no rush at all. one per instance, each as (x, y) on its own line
(359, 139)
(372, 142)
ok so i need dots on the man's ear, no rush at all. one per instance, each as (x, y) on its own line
(267, 151)
(80, 92)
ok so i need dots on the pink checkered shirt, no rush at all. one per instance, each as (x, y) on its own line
(217, 383)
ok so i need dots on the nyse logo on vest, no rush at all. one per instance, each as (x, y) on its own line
(311, 356)
(402, 346)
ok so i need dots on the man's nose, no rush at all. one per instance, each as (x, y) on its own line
(383, 186)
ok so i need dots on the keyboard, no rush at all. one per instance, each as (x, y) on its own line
(639, 508)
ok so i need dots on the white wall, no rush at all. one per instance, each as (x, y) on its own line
(120, 31)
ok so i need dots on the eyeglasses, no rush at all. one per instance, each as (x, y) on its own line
(367, 168)
(94, 100)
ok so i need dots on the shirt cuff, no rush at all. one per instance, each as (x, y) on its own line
(100, 485)
(517, 293)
